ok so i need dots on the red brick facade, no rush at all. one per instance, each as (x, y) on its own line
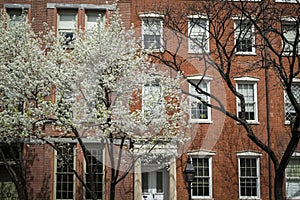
(231, 138)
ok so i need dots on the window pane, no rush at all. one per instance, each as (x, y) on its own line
(152, 33)
(159, 182)
(64, 173)
(92, 18)
(289, 33)
(94, 170)
(201, 183)
(247, 89)
(248, 177)
(198, 40)
(289, 109)
(198, 109)
(145, 182)
(244, 36)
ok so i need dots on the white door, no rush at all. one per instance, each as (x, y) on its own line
(154, 185)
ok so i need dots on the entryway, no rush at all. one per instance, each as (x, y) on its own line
(155, 184)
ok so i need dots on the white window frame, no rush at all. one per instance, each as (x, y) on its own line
(203, 38)
(296, 155)
(15, 10)
(248, 80)
(90, 146)
(55, 171)
(207, 80)
(203, 154)
(288, 21)
(72, 30)
(93, 13)
(149, 17)
(237, 35)
(287, 103)
(287, 1)
(249, 155)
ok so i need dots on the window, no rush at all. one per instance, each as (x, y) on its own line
(288, 107)
(287, 1)
(64, 176)
(10, 155)
(153, 101)
(95, 166)
(292, 173)
(289, 31)
(17, 13)
(199, 112)
(249, 90)
(198, 35)
(92, 18)
(249, 175)
(244, 36)
(202, 183)
(67, 25)
(152, 33)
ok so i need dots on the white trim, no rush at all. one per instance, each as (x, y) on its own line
(209, 157)
(151, 15)
(201, 153)
(254, 155)
(248, 80)
(55, 171)
(289, 22)
(253, 49)
(161, 31)
(287, 1)
(206, 34)
(16, 6)
(198, 16)
(82, 6)
(199, 77)
(248, 154)
(207, 80)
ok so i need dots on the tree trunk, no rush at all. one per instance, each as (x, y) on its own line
(112, 191)
(278, 186)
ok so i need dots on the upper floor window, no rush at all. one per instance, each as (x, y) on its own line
(202, 183)
(287, 1)
(152, 33)
(94, 169)
(244, 36)
(290, 42)
(67, 24)
(92, 18)
(249, 175)
(292, 173)
(288, 107)
(17, 13)
(198, 38)
(64, 175)
(153, 101)
(248, 88)
(199, 111)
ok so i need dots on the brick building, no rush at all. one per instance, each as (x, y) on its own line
(228, 164)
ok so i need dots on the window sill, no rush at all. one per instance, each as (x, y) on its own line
(287, 123)
(197, 53)
(245, 53)
(202, 198)
(251, 122)
(200, 121)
